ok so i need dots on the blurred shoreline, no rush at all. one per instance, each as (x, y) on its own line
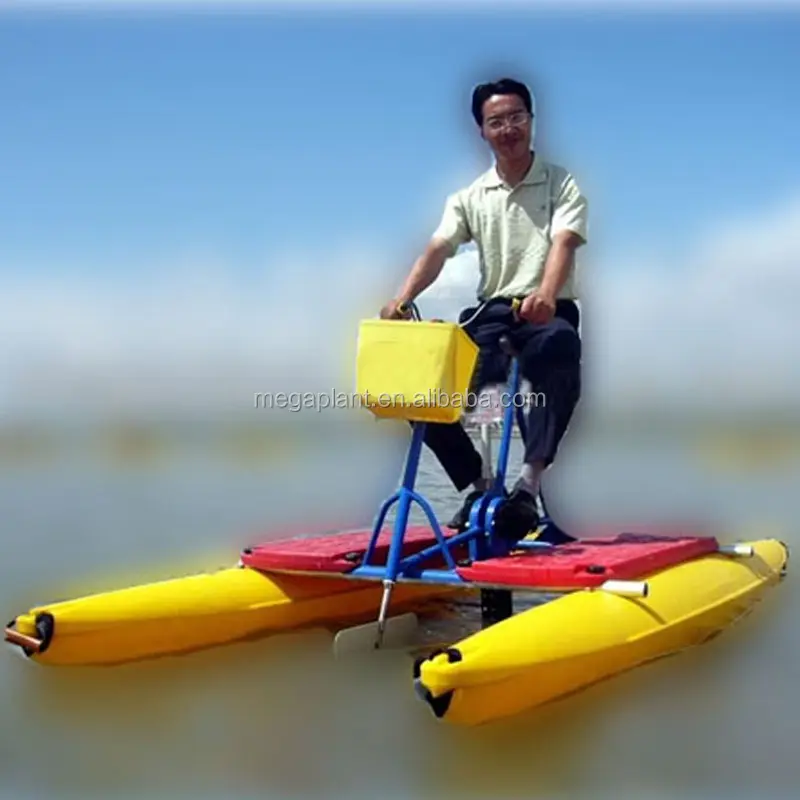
(263, 440)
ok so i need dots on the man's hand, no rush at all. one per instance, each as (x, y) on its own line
(392, 310)
(538, 307)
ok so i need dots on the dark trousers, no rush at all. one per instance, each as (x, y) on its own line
(549, 357)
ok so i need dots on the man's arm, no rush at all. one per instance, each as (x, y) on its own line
(560, 262)
(426, 269)
(453, 231)
(568, 232)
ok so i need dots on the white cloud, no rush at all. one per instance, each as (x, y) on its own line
(717, 330)
(199, 338)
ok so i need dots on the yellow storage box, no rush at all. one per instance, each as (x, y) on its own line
(417, 371)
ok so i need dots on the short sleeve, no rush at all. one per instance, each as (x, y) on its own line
(570, 211)
(454, 227)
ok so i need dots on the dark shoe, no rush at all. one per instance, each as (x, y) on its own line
(517, 517)
(460, 521)
(552, 534)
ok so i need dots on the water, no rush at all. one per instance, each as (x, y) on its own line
(279, 718)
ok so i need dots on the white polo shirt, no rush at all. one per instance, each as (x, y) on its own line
(513, 227)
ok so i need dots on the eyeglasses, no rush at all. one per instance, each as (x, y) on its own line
(515, 120)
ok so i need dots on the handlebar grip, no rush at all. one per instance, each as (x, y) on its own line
(408, 310)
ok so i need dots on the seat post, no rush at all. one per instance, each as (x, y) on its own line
(509, 413)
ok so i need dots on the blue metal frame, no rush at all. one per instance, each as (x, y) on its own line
(479, 535)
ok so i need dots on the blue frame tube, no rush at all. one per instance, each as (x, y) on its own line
(476, 536)
(508, 427)
(404, 497)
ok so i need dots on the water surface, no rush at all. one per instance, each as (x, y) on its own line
(279, 718)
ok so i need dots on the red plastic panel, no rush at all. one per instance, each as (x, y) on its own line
(328, 553)
(627, 556)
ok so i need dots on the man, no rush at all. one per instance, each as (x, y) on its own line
(527, 218)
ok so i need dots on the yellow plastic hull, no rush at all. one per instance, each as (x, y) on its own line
(579, 639)
(197, 612)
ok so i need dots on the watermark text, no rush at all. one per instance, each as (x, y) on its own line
(322, 401)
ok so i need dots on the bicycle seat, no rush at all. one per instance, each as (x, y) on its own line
(507, 347)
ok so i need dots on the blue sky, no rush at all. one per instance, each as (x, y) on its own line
(134, 141)
(130, 135)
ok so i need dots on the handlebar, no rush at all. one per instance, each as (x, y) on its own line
(410, 309)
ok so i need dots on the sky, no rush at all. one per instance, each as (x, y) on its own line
(198, 206)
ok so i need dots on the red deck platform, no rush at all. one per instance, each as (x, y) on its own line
(586, 563)
(590, 562)
(340, 552)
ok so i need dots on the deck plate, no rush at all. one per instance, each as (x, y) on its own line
(583, 564)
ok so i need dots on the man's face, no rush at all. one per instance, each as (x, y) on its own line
(507, 126)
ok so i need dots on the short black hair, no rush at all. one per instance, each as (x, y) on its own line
(484, 91)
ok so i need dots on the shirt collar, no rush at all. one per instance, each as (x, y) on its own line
(535, 175)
